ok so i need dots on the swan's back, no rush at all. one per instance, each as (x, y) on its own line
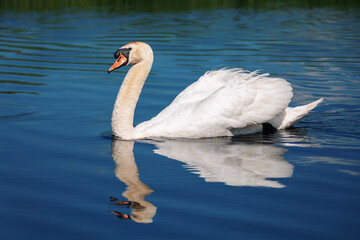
(220, 102)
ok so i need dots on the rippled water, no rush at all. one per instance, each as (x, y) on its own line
(59, 168)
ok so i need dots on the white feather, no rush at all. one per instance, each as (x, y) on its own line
(220, 103)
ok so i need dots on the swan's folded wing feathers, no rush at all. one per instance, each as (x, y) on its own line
(202, 88)
(206, 85)
(246, 99)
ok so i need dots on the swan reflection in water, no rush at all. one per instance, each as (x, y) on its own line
(231, 161)
(127, 171)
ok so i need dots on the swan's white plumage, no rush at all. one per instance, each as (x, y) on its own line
(219, 103)
(224, 102)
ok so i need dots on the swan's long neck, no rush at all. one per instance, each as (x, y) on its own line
(124, 108)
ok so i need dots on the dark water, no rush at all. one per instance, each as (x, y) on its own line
(58, 167)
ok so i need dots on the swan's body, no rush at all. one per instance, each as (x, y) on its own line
(223, 102)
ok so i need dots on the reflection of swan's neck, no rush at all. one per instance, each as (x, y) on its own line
(127, 172)
(124, 108)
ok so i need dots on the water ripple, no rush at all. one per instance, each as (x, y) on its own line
(14, 111)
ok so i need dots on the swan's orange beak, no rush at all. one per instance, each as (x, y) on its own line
(121, 61)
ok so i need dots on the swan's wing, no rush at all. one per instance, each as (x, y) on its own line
(219, 101)
(206, 85)
(246, 99)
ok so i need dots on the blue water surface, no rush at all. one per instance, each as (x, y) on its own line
(62, 176)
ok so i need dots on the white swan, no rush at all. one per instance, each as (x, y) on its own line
(223, 102)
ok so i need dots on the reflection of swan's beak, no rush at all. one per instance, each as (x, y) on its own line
(121, 61)
(120, 215)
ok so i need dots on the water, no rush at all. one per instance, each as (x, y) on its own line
(59, 168)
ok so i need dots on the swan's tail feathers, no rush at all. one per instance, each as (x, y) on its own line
(291, 116)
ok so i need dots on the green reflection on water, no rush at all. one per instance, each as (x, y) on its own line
(22, 83)
(123, 6)
(17, 92)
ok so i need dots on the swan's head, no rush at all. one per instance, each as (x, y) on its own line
(132, 53)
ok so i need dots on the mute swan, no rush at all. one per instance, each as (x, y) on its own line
(225, 102)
